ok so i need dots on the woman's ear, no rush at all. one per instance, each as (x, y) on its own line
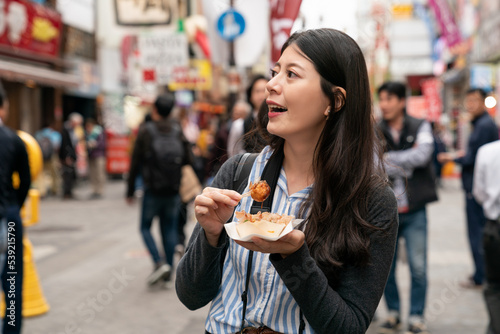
(339, 95)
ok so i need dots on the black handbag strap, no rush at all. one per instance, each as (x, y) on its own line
(271, 174)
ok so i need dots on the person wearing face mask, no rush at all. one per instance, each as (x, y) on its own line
(324, 165)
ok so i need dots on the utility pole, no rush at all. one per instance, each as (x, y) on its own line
(233, 76)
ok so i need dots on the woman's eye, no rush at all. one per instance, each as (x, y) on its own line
(290, 74)
(273, 73)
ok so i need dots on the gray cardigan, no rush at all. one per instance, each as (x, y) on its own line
(348, 308)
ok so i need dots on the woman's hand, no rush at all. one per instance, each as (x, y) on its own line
(285, 245)
(213, 208)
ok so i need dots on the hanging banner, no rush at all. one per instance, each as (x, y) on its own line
(431, 89)
(30, 27)
(446, 22)
(283, 15)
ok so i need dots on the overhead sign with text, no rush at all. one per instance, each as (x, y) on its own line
(145, 12)
(161, 53)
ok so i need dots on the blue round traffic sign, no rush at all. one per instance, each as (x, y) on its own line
(230, 25)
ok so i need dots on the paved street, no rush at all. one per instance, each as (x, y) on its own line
(93, 269)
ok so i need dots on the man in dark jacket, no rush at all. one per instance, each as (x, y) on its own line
(96, 149)
(484, 131)
(408, 160)
(14, 158)
(67, 153)
(160, 151)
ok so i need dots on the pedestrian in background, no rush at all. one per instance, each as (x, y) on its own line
(439, 147)
(486, 191)
(191, 132)
(95, 138)
(160, 151)
(255, 94)
(14, 158)
(328, 275)
(484, 131)
(67, 153)
(408, 161)
(49, 140)
(241, 110)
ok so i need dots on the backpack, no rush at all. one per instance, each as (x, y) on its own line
(47, 147)
(164, 161)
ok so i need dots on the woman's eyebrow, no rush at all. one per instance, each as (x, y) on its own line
(295, 65)
(290, 65)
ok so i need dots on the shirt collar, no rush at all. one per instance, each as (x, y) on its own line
(478, 117)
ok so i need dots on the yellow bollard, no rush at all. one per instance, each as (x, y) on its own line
(34, 302)
(29, 211)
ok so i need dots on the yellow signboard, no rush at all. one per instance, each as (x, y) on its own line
(198, 76)
(402, 11)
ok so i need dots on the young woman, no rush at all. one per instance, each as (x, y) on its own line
(328, 275)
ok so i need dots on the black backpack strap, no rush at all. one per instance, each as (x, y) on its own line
(244, 295)
(271, 174)
(243, 169)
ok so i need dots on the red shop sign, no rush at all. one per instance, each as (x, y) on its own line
(118, 151)
(30, 27)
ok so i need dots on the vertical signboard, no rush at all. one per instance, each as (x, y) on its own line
(283, 14)
(431, 89)
(446, 22)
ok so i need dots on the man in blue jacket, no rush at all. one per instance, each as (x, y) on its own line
(484, 131)
(14, 158)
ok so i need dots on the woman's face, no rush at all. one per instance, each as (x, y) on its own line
(297, 106)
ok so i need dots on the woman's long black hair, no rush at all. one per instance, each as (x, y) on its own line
(347, 156)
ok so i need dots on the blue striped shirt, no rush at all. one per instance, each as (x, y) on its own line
(269, 301)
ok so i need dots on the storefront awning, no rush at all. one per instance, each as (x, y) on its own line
(21, 72)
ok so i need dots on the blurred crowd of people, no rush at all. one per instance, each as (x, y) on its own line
(78, 145)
